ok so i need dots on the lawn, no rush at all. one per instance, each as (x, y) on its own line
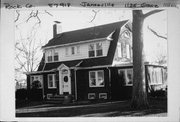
(158, 107)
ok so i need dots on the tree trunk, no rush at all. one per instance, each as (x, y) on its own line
(139, 95)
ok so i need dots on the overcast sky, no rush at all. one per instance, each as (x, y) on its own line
(81, 18)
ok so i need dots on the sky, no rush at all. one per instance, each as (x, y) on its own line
(81, 18)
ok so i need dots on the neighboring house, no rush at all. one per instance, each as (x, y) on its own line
(91, 63)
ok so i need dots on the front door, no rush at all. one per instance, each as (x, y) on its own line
(65, 85)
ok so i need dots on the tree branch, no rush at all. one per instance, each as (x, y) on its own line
(48, 13)
(155, 33)
(95, 13)
(18, 14)
(151, 12)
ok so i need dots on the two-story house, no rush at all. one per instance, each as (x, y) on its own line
(90, 63)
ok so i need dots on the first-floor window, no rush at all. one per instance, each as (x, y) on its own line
(96, 78)
(126, 76)
(51, 81)
(36, 81)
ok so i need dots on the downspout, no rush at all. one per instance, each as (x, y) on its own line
(43, 82)
(75, 84)
(109, 82)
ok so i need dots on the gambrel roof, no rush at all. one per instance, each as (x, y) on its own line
(84, 35)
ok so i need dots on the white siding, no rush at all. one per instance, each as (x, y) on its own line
(83, 51)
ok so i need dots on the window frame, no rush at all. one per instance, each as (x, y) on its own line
(126, 76)
(96, 79)
(56, 54)
(50, 56)
(95, 50)
(53, 81)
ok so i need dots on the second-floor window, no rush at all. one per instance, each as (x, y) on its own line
(74, 50)
(124, 50)
(56, 56)
(95, 50)
(50, 56)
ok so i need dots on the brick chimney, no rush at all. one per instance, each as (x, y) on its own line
(57, 28)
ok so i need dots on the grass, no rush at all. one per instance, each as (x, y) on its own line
(158, 107)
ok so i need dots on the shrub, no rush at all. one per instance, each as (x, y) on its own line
(21, 94)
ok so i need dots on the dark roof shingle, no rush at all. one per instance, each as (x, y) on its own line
(81, 35)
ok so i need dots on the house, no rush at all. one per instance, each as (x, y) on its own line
(90, 63)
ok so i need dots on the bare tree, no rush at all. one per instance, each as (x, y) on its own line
(27, 48)
(139, 95)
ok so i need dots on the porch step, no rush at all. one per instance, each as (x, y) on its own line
(59, 99)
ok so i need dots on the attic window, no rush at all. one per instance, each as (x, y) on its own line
(50, 56)
(95, 50)
(56, 57)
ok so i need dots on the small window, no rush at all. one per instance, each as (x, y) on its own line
(91, 96)
(56, 56)
(102, 95)
(96, 78)
(78, 49)
(51, 81)
(72, 50)
(66, 51)
(91, 50)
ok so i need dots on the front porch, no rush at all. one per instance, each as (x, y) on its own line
(54, 85)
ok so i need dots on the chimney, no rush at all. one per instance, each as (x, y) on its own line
(57, 28)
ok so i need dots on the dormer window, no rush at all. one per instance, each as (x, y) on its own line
(72, 50)
(99, 49)
(95, 50)
(91, 50)
(50, 56)
(56, 56)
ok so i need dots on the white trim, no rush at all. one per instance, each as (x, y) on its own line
(61, 68)
(93, 67)
(38, 72)
(80, 42)
(94, 95)
(53, 80)
(75, 84)
(100, 97)
(77, 59)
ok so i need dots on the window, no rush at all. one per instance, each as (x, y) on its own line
(56, 56)
(126, 76)
(50, 56)
(36, 81)
(129, 77)
(66, 51)
(91, 50)
(99, 49)
(96, 78)
(91, 96)
(102, 95)
(72, 50)
(95, 50)
(124, 50)
(78, 49)
(51, 81)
